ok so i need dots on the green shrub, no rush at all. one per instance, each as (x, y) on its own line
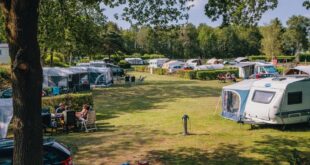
(152, 56)
(280, 69)
(5, 77)
(304, 57)
(140, 68)
(160, 71)
(212, 74)
(74, 101)
(187, 74)
(124, 64)
(281, 58)
(258, 57)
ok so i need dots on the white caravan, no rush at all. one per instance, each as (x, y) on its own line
(173, 66)
(4, 54)
(279, 100)
(157, 63)
(134, 61)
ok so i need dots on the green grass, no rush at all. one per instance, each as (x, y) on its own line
(143, 122)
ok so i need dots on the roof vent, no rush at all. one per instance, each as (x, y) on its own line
(279, 78)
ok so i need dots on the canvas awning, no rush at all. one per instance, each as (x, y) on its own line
(56, 71)
(6, 114)
(304, 70)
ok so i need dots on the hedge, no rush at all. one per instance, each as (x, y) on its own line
(212, 74)
(304, 57)
(187, 74)
(5, 77)
(124, 64)
(267, 58)
(160, 71)
(74, 101)
(140, 68)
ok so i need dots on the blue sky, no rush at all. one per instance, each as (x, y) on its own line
(285, 9)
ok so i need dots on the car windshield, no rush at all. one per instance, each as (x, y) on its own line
(270, 69)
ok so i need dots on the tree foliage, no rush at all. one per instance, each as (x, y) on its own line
(239, 12)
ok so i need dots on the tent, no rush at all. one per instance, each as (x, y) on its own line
(209, 67)
(134, 61)
(245, 69)
(100, 76)
(78, 79)
(55, 77)
(215, 61)
(241, 59)
(6, 114)
(299, 70)
(234, 98)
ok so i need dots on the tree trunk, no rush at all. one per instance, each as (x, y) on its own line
(21, 21)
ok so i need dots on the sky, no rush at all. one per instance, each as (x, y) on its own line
(285, 9)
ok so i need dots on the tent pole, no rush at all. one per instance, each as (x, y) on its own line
(217, 105)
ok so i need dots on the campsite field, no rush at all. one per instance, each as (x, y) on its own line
(143, 122)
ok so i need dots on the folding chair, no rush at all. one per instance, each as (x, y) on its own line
(90, 122)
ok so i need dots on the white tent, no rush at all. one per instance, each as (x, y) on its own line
(99, 76)
(234, 98)
(241, 59)
(209, 67)
(55, 76)
(215, 61)
(6, 114)
(299, 70)
(134, 61)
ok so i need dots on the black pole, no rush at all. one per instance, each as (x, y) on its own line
(185, 118)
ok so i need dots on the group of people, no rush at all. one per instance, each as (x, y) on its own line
(227, 76)
(79, 115)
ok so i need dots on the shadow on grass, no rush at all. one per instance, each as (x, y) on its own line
(301, 127)
(225, 154)
(278, 149)
(113, 101)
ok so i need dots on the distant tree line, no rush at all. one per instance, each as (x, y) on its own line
(78, 30)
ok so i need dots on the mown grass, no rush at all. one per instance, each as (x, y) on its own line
(143, 122)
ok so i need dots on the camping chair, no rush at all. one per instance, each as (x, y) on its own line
(221, 78)
(69, 119)
(90, 122)
(141, 79)
(48, 123)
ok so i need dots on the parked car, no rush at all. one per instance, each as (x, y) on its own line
(7, 93)
(54, 153)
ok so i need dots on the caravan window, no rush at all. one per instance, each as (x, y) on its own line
(294, 98)
(264, 97)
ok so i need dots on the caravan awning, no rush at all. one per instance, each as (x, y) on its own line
(6, 114)
(305, 70)
(55, 71)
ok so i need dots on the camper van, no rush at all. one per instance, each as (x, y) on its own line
(157, 63)
(4, 54)
(278, 100)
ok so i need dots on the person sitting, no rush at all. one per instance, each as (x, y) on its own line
(61, 108)
(83, 113)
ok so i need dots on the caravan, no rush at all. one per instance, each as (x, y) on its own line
(278, 100)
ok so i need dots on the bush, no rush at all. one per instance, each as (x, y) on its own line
(124, 64)
(74, 101)
(152, 56)
(160, 71)
(281, 58)
(212, 74)
(141, 68)
(280, 69)
(187, 74)
(5, 77)
(304, 57)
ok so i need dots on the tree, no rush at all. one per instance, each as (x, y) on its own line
(306, 4)
(207, 41)
(188, 38)
(296, 37)
(247, 12)
(21, 23)
(271, 42)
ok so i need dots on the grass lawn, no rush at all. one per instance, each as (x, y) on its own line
(143, 122)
